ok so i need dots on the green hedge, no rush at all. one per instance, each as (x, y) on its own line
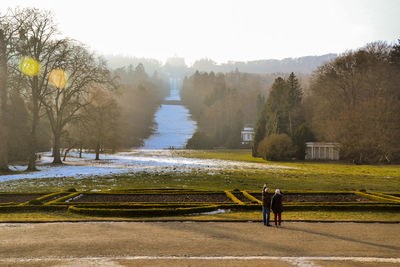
(139, 206)
(7, 204)
(29, 208)
(387, 207)
(303, 192)
(64, 198)
(250, 197)
(141, 203)
(385, 196)
(52, 196)
(233, 198)
(140, 212)
(153, 191)
(384, 202)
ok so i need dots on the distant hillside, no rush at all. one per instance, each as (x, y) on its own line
(304, 65)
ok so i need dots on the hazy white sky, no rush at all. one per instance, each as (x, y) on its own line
(223, 29)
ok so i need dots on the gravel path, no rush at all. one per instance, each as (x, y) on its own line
(199, 244)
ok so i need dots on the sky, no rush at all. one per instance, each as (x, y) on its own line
(223, 30)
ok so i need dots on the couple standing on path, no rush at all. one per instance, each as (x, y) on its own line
(274, 203)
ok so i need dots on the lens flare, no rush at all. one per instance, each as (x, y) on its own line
(58, 78)
(29, 66)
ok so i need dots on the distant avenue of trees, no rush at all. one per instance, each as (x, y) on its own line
(222, 104)
(55, 93)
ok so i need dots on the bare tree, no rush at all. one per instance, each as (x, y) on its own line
(3, 102)
(357, 103)
(101, 118)
(8, 29)
(38, 44)
(76, 72)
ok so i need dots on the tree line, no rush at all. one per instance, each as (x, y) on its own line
(55, 92)
(353, 100)
(222, 104)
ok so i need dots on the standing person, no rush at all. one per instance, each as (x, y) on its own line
(277, 207)
(266, 205)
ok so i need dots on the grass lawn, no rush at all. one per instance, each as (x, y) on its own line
(283, 175)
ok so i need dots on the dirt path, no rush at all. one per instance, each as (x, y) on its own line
(127, 244)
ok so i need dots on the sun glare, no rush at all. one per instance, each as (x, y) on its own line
(58, 78)
(29, 66)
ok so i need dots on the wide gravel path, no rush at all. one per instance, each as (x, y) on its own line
(199, 244)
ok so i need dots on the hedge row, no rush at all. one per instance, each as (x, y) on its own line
(64, 198)
(375, 196)
(28, 208)
(250, 197)
(387, 207)
(304, 192)
(140, 206)
(384, 202)
(386, 196)
(140, 212)
(233, 197)
(141, 203)
(52, 196)
(153, 192)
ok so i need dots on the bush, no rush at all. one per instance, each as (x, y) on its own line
(276, 147)
(200, 140)
(71, 190)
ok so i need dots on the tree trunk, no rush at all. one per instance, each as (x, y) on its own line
(56, 149)
(97, 151)
(66, 153)
(35, 121)
(3, 106)
(80, 151)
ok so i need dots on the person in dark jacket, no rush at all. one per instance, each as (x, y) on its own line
(266, 205)
(277, 207)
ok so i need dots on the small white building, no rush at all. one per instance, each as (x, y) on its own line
(322, 151)
(247, 135)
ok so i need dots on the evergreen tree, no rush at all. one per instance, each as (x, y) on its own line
(302, 135)
(281, 112)
(276, 108)
(259, 133)
(293, 99)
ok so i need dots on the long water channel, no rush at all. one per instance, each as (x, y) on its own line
(173, 120)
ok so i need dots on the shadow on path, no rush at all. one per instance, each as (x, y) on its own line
(291, 228)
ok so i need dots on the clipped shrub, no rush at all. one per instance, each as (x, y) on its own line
(276, 147)
(35, 202)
